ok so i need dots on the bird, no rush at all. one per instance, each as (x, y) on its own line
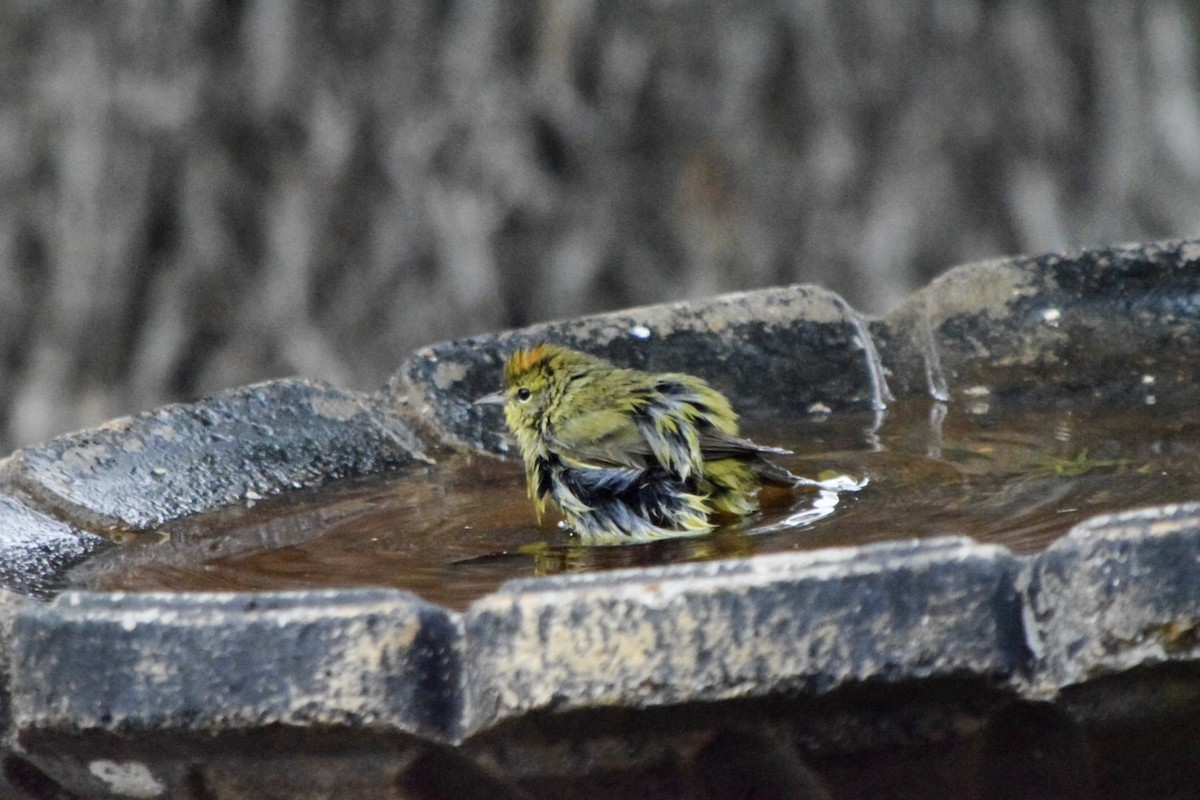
(629, 456)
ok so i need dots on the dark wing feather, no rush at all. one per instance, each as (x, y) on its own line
(610, 438)
(716, 445)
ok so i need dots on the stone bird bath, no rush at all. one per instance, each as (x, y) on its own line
(935, 667)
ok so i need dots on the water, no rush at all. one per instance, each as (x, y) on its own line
(455, 531)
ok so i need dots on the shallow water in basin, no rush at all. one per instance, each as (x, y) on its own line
(456, 530)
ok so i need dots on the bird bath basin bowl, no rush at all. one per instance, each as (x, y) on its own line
(292, 590)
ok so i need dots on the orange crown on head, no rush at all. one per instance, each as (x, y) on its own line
(522, 361)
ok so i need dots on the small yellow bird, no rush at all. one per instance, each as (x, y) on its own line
(625, 455)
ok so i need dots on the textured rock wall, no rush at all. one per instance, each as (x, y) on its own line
(203, 194)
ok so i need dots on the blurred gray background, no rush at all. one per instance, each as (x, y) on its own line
(201, 194)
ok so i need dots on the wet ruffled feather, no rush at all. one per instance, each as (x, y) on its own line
(627, 455)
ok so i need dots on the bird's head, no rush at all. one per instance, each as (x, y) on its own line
(533, 379)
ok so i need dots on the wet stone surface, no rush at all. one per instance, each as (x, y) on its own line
(365, 659)
(1120, 591)
(141, 471)
(1107, 326)
(37, 551)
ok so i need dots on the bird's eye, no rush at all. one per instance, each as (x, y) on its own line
(523, 394)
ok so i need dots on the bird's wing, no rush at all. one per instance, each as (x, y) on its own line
(605, 437)
(715, 444)
(613, 438)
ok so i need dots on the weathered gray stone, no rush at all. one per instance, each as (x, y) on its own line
(1118, 325)
(1119, 591)
(791, 623)
(150, 664)
(779, 351)
(36, 550)
(255, 441)
(10, 604)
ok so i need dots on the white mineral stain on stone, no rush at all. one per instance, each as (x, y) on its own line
(639, 332)
(164, 432)
(83, 458)
(448, 374)
(406, 635)
(353, 678)
(986, 286)
(127, 778)
(339, 408)
(717, 314)
(577, 647)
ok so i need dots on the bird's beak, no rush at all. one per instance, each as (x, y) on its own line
(493, 399)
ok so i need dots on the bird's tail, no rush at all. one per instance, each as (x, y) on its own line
(771, 473)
